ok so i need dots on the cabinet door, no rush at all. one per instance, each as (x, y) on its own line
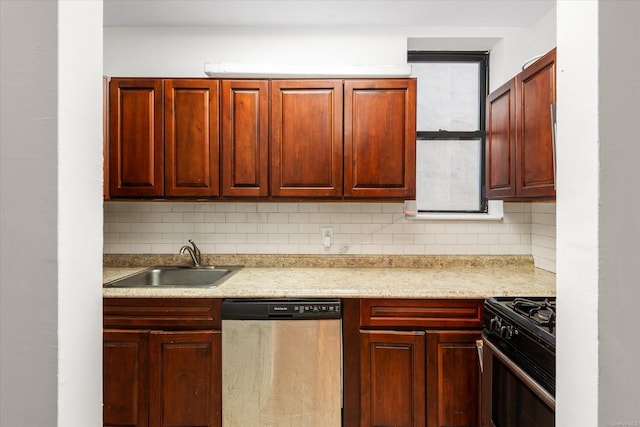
(192, 150)
(453, 379)
(245, 138)
(125, 378)
(105, 137)
(501, 142)
(380, 138)
(306, 138)
(392, 379)
(536, 88)
(185, 380)
(136, 159)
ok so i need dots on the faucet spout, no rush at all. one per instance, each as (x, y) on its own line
(193, 250)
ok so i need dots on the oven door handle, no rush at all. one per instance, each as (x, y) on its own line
(479, 349)
(543, 394)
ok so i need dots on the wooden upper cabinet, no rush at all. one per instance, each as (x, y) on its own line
(105, 137)
(519, 152)
(135, 138)
(536, 88)
(245, 138)
(306, 138)
(501, 142)
(192, 149)
(380, 138)
(207, 138)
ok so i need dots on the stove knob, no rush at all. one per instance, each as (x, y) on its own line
(507, 332)
(495, 324)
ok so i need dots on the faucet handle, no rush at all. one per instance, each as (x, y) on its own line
(196, 250)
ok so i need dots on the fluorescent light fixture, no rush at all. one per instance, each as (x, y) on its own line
(213, 69)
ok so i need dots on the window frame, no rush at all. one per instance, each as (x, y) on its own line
(482, 59)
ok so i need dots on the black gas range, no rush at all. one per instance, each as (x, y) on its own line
(523, 329)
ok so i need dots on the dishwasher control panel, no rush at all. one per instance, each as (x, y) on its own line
(274, 309)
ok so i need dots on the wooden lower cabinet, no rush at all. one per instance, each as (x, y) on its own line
(418, 364)
(159, 377)
(125, 378)
(392, 378)
(185, 381)
(453, 379)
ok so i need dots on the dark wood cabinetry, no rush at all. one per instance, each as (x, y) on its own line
(185, 378)
(163, 138)
(136, 152)
(306, 138)
(417, 364)
(191, 138)
(380, 138)
(392, 372)
(207, 138)
(126, 377)
(453, 378)
(519, 154)
(245, 138)
(501, 142)
(162, 362)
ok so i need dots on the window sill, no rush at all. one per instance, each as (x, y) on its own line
(495, 213)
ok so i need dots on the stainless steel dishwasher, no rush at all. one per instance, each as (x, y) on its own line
(281, 363)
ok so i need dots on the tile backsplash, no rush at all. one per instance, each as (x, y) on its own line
(294, 228)
(543, 235)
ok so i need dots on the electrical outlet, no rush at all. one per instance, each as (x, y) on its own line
(327, 236)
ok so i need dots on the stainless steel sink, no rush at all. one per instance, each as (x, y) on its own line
(176, 277)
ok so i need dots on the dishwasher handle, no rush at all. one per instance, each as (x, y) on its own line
(281, 309)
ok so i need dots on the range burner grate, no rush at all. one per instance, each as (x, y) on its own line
(540, 312)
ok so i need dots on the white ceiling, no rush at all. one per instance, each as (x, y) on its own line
(441, 13)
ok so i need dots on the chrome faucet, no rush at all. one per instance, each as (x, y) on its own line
(196, 256)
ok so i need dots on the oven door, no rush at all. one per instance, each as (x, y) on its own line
(510, 398)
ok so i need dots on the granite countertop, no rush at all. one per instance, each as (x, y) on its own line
(274, 276)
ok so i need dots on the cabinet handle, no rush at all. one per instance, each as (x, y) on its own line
(479, 349)
(553, 144)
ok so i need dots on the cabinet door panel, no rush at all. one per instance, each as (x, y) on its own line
(245, 138)
(136, 159)
(191, 138)
(306, 138)
(453, 379)
(185, 379)
(501, 142)
(125, 378)
(536, 93)
(392, 379)
(380, 138)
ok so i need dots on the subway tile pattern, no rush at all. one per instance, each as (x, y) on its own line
(543, 235)
(294, 228)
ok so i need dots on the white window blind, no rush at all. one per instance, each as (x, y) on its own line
(450, 128)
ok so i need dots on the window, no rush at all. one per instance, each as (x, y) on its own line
(452, 90)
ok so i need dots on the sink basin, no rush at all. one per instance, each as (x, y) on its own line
(175, 277)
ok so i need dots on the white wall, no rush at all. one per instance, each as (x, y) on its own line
(79, 169)
(619, 204)
(598, 241)
(50, 251)
(519, 46)
(182, 51)
(577, 214)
